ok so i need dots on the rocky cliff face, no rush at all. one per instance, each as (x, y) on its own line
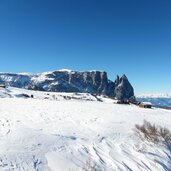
(123, 88)
(71, 81)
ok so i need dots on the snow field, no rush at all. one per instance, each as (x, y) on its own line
(61, 135)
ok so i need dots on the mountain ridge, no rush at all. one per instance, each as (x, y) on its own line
(64, 80)
(162, 100)
(154, 95)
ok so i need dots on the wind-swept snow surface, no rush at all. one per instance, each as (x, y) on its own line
(61, 135)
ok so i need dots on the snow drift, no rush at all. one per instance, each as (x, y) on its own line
(60, 134)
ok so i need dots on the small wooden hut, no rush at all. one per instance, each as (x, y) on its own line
(145, 104)
(2, 86)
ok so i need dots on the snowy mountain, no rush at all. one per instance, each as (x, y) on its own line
(158, 100)
(64, 131)
(157, 95)
(95, 82)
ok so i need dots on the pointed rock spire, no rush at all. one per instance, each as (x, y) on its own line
(123, 90)
(117, 80)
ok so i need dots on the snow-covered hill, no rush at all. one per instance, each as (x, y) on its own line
(160, 100)
(12, 92)
(55, 132)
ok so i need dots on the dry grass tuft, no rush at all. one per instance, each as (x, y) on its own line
(153, 133)
(90, 166)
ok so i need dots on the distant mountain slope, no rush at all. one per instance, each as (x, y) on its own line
(95, 82)
(159, 100)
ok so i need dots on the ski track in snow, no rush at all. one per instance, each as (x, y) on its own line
(62, 135)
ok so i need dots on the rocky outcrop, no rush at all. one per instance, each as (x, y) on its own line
(16, 80)
(123, 88)
(74, 81)
(95, 82)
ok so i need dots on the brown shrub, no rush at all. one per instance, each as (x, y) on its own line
(90, 166)
(165, 134)
(153, 133)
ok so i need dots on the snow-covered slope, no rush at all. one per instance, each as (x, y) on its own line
(58, 134)
(12, 92)
(160, 100)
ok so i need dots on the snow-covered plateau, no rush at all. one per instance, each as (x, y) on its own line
(74, 131)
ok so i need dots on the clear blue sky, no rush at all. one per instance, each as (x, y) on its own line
(118, 36)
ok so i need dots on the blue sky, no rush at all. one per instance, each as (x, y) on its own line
(118, 36)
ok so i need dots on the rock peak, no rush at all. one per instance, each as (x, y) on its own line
(124, 76)
(123, 88)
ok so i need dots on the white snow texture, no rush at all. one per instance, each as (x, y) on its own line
(63, 131)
